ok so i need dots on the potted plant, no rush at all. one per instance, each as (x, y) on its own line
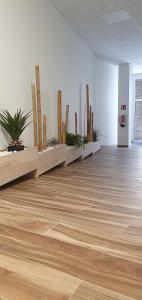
(74, 140)
(96, 141)
(88, 147)
(74, 144)
(85, 140)
(52, 142)
(14, 126)
(95, 135)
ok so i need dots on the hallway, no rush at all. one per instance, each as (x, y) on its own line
(75, 233)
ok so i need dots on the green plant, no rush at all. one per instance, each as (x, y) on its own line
(52, 142)
(95, 135)
(15, 125)
(85, 140)
(74, 140)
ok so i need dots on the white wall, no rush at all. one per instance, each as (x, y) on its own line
(33, 32)
(131, 106)
(137, 69)
(107, 102)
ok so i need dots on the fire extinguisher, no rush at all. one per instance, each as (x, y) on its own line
(123, 121)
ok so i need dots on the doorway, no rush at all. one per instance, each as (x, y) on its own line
(138, 110)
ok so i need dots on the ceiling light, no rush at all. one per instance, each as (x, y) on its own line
(116, 17)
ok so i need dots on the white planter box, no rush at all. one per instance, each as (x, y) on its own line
(72, 154)
(50, 158)
(15, 165)
(96, 146)
(87, 150)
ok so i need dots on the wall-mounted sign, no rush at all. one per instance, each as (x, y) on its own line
(123, 107)
(123, 121)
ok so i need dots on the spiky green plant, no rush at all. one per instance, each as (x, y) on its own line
(14, 125)
(52, 142)
(74, 140)
(85, 140)
(95, 135)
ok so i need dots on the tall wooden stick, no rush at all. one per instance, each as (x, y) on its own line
(66, 119)
(88, 112)
(34, 114)
(76, 123)
(39, 108)
(92, 125)
(63, 133)
(44, 131)
(60, 117)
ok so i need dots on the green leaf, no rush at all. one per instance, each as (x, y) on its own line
(15, 125)
(74, 140)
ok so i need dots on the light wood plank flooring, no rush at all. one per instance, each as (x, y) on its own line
(76, 232)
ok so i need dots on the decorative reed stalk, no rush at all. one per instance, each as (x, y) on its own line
(60, 117)
(88, 112)
(44, 131)
(63, 134)
(76, 123)
(92, 125)
(37, 73)
(34, 105)
(66, 120)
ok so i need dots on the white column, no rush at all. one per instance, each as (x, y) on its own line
(124, 99)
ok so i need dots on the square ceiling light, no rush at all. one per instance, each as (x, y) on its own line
(116, 17)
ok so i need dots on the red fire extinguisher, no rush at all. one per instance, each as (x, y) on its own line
(123, 121)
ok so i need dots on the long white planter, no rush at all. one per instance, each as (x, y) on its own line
(96, 146)
(15, 165)
(50, 158)
(72, 154)
(87, 150)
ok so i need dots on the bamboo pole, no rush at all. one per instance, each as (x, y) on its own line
(90, 119)
(88, 112)
(39, 108)
(34, 115)
(66, 119)
(60, 117)
(63, 138)
(76, 123)
(44, 131)
(92, 125)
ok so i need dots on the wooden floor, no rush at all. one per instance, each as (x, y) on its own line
(75, 233)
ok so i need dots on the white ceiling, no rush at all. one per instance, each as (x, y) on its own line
(111, 28)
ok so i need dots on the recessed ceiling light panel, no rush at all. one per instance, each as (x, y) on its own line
(116, 17)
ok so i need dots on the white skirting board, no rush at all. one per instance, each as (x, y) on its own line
(15, 165)
(50, 158)
(90, 149)
(96, 146)
(87, 150)
(72, 154)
